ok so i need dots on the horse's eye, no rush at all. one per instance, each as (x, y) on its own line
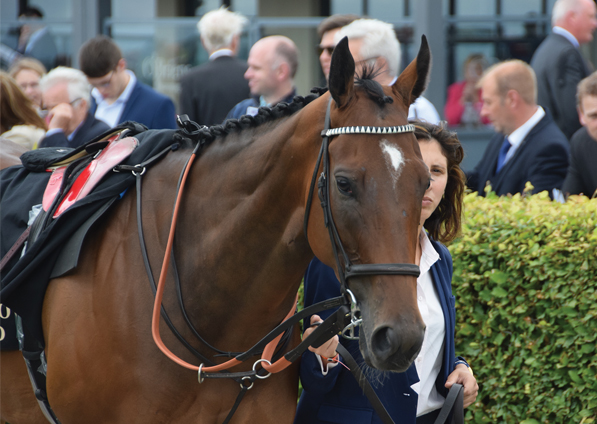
(428, 184)
(344, 186)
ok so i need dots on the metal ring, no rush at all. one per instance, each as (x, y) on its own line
(199, 378)
(137, 174)
(243, 387)
(262, 377)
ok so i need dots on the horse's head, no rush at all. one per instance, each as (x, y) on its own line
(376, 185)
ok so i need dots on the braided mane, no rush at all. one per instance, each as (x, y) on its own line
(205, 135)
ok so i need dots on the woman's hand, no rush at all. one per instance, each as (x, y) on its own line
(328, 349)
(462, 375)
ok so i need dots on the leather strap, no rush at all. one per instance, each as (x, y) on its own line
(454, 404)
(15, 247)
(355, 369)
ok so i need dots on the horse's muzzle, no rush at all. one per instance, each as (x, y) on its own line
(393, 349)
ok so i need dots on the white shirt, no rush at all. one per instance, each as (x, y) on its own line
(111, 113)
(561, 31)
(519, 134)
(429, 361)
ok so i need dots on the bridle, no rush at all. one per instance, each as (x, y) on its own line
(348, 269)
(344, 320)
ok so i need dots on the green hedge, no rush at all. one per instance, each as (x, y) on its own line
(525, 281)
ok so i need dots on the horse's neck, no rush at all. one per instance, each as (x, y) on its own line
(240, 243)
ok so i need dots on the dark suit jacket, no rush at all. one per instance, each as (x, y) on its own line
(89, 129)
(559, 67)
(337, 397)
(582, 173)
(209, 91)
(148, 107)
(542, 159)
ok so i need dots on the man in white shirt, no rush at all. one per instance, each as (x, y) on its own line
(559, 64)
(528, 146)
(117, 95)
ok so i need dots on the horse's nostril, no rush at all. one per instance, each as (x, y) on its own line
(385, 342)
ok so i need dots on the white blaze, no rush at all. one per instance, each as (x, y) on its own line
(394, 159)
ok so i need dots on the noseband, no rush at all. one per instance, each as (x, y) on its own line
(323, 187)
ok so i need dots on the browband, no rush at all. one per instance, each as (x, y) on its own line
(368, 130)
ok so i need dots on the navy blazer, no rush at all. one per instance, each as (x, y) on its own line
(337, 397)
(89, 129)
(542, 159)
(148, 107)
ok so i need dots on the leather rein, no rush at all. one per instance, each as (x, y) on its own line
(344, 320)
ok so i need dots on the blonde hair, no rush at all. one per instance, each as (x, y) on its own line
(28, 63)
(15, 107)
(218, 27)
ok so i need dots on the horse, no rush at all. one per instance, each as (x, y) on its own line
(240, 250)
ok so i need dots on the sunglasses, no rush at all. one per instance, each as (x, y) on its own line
(320, 50)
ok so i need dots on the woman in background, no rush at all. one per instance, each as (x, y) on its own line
(27, 72)
(20, 122)
(463, 104)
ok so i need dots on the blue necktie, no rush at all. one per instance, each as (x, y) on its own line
(502, 156)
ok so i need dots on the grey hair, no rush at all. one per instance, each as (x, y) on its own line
(379, 39)
(77, 85)
(218, 27)
(561, 7)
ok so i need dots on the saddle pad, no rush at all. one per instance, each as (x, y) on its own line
(117, 151)
(24, 280)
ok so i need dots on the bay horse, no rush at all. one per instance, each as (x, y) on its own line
(241, 251)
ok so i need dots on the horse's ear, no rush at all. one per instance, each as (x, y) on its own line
(412, 82)
(341, 79)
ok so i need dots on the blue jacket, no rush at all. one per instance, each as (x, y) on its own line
(148, 107)
(337, 397)
(241, 108)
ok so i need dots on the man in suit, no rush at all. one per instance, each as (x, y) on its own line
(374, 43)
(558, 63)
(117, 95)
(273, 62)
(209, 91)
(528, 145)
(65, 99)
(582, 173)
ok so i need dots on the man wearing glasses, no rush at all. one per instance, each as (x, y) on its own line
(117, 95)
(65, 104)
(326, 30)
